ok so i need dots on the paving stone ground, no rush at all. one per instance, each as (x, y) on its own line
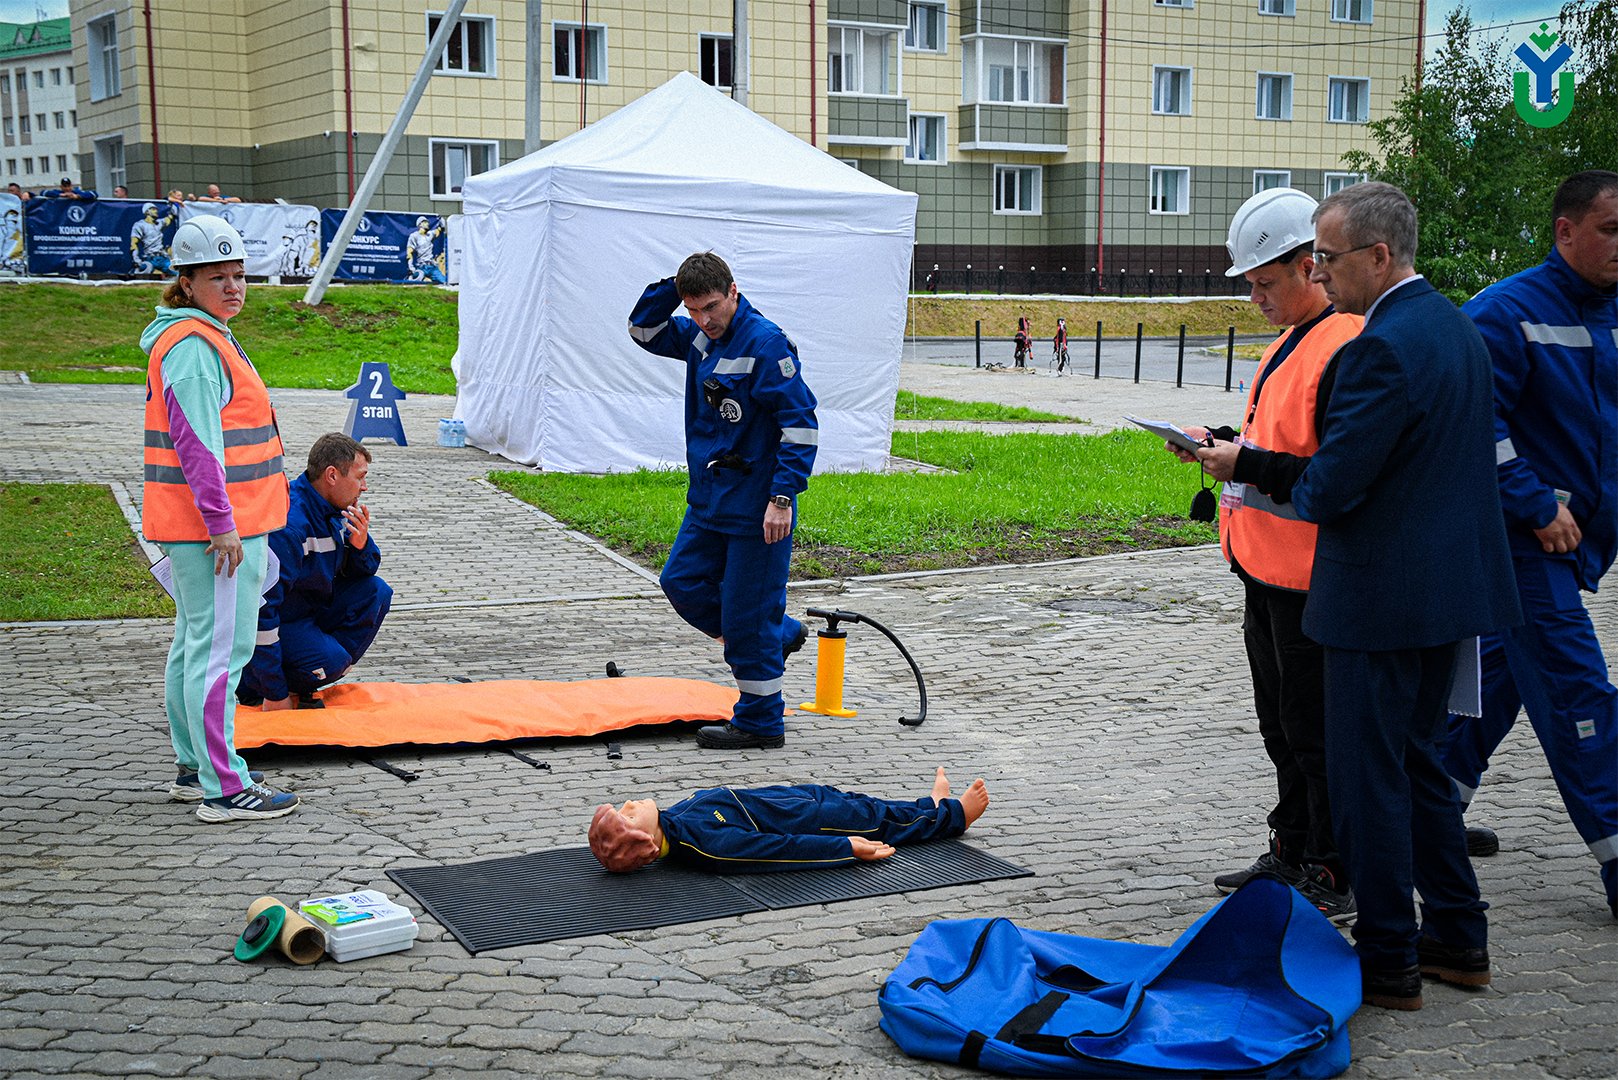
(1118, 743)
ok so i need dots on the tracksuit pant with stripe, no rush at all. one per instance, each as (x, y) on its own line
(215, 627)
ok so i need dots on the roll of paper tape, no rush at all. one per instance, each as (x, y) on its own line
(300, 940)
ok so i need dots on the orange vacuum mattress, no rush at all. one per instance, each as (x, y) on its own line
(441, 714)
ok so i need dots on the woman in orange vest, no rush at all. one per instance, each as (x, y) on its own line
(214, 490)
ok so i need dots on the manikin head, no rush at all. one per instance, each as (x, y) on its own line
(622, 839)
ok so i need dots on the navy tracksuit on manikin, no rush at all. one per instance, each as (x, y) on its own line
(750, 433)
(1553, 338)
(796, 827)
(325, 609)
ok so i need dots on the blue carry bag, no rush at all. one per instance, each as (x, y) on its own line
(1262, 985)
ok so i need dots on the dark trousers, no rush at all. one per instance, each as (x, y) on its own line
(1290, 698)
(318, 648)
(1394, 809)
(735, 587)
(1553, 665)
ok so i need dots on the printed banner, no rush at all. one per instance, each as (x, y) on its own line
(389, 247)
(282, 240)
(101, 237)
(12, 261)
(456, 248)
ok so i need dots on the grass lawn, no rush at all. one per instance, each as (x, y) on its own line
(912, 406)
(66, 552)
(1009, 498)
(931, 316)
(70, 333)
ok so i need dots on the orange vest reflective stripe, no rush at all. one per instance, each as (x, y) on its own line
(1280, 551)
(254, 480)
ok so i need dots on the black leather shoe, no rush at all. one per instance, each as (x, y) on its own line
(1459, 967)
(1481, 841)
(790, 647)
(731, 737)
(1397, 988)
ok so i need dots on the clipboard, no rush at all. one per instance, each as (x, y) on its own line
(1168, 432)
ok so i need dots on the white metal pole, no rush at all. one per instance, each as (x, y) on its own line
(379, 163)
(534, 73)
(738, 54)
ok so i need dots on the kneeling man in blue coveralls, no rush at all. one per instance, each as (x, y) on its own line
(750, 439)
(327, 604)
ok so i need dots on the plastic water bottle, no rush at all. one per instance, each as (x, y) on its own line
(451, 433)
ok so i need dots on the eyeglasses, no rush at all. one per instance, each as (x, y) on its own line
(1324, 258)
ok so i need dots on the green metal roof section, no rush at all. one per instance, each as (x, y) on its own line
(33, 39)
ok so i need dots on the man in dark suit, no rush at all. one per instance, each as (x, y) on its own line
(1410, 566)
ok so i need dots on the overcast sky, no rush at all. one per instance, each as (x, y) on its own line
(1484, 13)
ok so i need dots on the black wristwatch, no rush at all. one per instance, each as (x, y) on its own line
(783, 501)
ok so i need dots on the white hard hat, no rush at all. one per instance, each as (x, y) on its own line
(207, 239)
(1267, 226)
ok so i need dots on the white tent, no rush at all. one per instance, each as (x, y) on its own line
(560, 244)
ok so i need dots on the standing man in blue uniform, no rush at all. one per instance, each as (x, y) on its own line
(1552, 332)
(328, 603)
(1411, 564)
(750, 439)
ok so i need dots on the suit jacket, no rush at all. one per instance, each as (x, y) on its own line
(1412, 549)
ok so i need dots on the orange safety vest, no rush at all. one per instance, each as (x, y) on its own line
(254, 480)
(1269, 541)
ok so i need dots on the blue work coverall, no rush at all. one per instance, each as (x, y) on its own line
(750, 433)
(796, 827)
(325, 609)
(1553, 338)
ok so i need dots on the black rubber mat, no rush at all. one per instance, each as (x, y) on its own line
(548, 895)
(564, 893)
(910, 869)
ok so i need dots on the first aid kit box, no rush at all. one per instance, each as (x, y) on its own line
(361, 924)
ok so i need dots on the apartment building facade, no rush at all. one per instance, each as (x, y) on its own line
(1090, 137)
(39, 139)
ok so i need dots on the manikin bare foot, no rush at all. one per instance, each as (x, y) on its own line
(974, 801)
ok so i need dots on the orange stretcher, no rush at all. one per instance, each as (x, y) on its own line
(443, 714)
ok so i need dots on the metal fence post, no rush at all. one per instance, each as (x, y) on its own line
(1230, 355)
(1179, 367)
(978, 334)
(1139, 329)
(1098, 348)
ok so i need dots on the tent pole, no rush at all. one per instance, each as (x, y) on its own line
(738, 54)
(532, 137)
(384, 153)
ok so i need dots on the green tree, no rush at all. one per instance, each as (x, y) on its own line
(1588, 138)
(1480, 177)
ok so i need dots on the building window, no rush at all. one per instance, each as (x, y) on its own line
(56, 76)
(10, 132)
(45, 164)
(1358, 11)
(1016, 189)
(61, 162)
(470, 49)
(109, 158)
(5, 84)
(1019, 72)
(925, 31)
(28, 166)
(580, 52)
(1349, 100)
(453, 162)
(926, 139)
(11, 166)
(1284, 8)
(1337, 181)
(39, 79)
(24, 124)
(57, 117)
(1265, 179)
(1171, 190)
(70, 74)
(716, 60)
(105, 79)
(39, 123)
(73, 117)
(862, 61)
(1274, 99)
(1173, 3)
(1171, 91)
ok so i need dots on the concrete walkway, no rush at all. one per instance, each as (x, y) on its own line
(1106, 701)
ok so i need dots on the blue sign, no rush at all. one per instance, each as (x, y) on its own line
(374, 413)
(100, 237)
(389, 247)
